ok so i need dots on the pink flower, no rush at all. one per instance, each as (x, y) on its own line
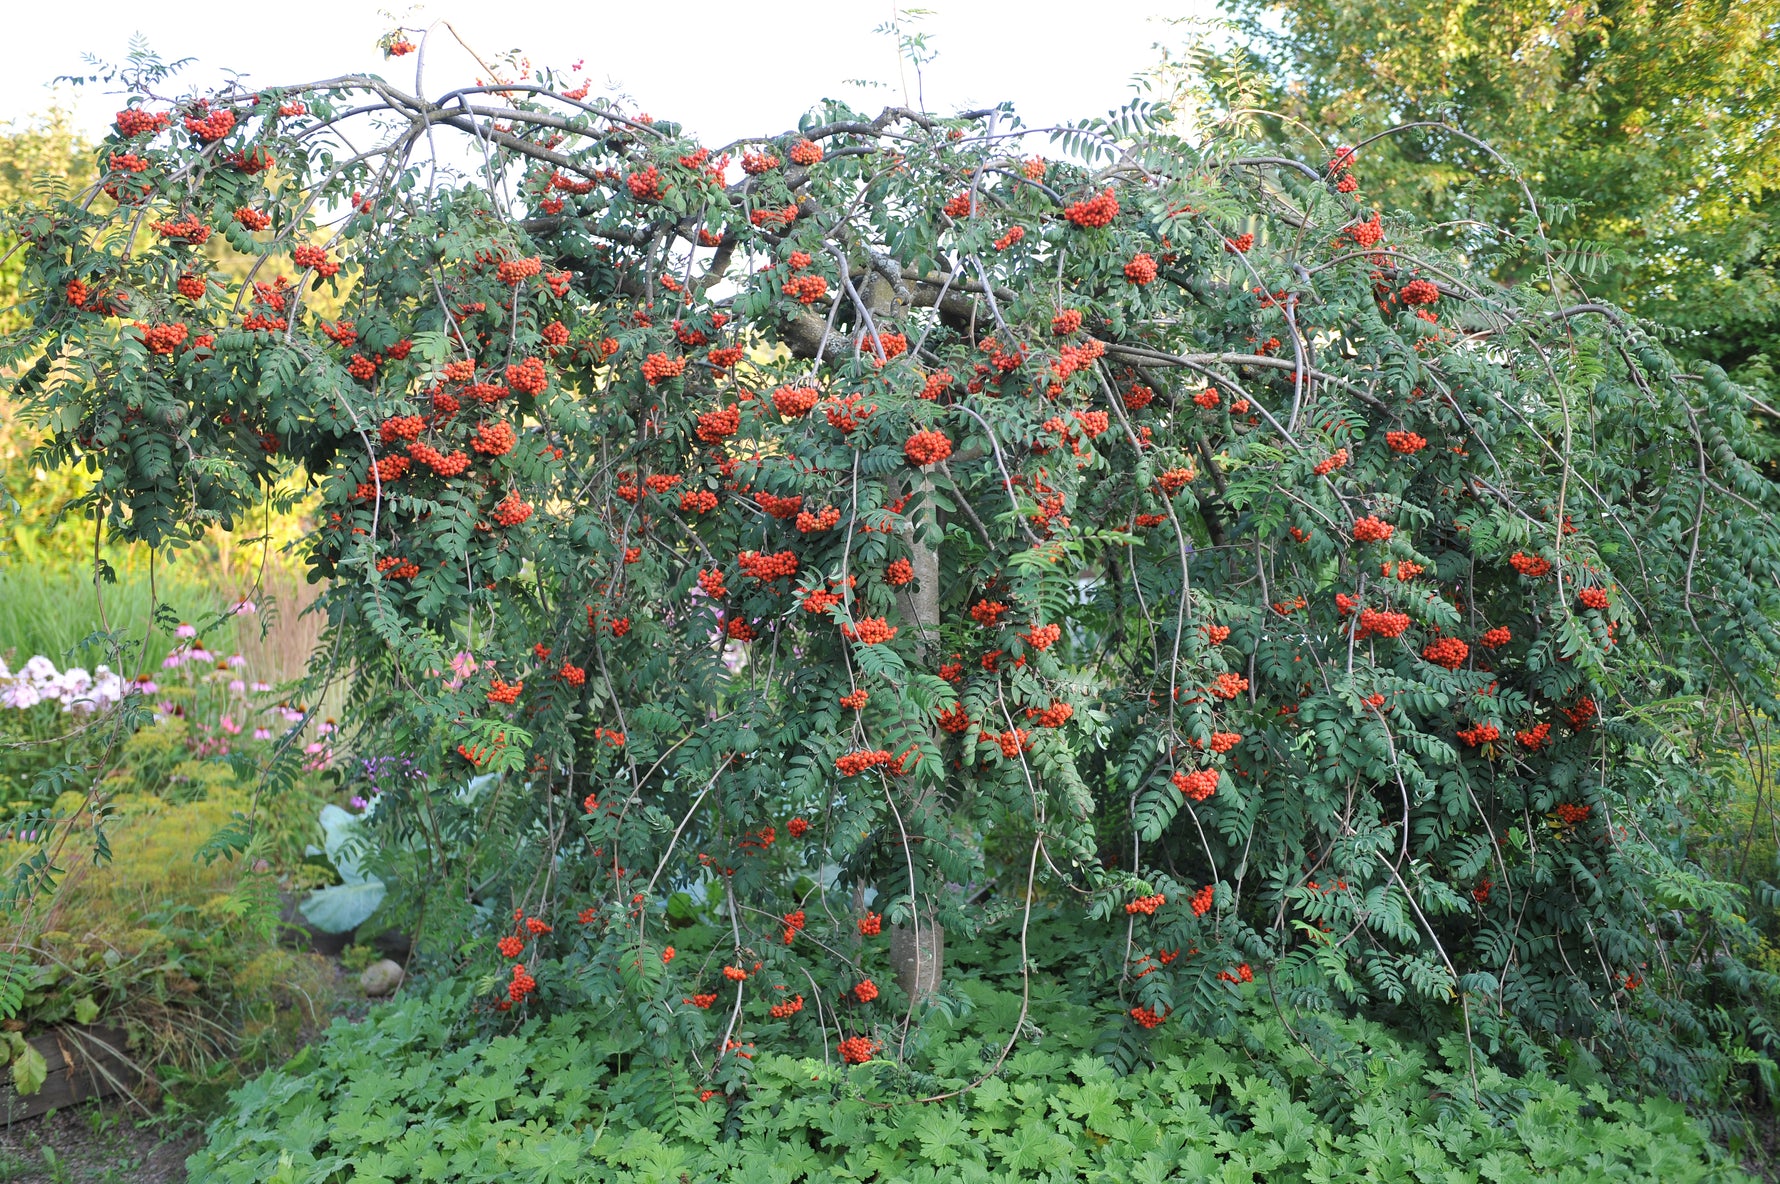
(244, 605)
(236, 661)
(262, 686)
(187, 631)
(262, 733)
(230, 726)
(237, 686)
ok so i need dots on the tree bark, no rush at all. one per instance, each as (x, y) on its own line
(918, 955)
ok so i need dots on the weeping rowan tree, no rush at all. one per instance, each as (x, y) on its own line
(879, 533)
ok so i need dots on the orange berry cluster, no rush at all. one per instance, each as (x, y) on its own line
(1095, 212)
(698, 501)
(658, 368)
(522, 985)
(734, 974)
(1493, 638)
(162, 339)
(1054, 716)
(755, 163)
(714, 427)
(528, 377)
(1173, 481)
(1420, 292)
(645, 185)
(186, 229)
(871, 925)
(1066, 322)
(1147, 1018)
(1141, 270)
(1371, 529)
(806, 153)
(494, 438)
(1449, 652)
(871, 631)
(857, 700)
(1011, 743)
(1407, 443)
(854, 763)
(1016, 233)
(899, 572)
(1202, 900)
(793, 402)
(1379, 623)
(866, 991)
(438, 462)
(253, 219)
(1593, 598)
(504, 692)
(1531, 566)
(1330, 464)
(1197, 785)
(191, 286)
(1581, 713)
(1042, 637)
(856, 1050)
(1227, 685)
(810, 523)
(1240, 244)
(401, 427)
(805, 289)
(783, 564)
(1147, 905)
(954, 719)
(987, 612)
(786, 1009)
(573, 675)
(1534, 738)
(1480, 734)
(211, 127)
(133, 122)
(798, 827)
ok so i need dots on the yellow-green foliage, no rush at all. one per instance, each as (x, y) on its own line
(181, 950)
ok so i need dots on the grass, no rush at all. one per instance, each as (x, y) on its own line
(51, 612)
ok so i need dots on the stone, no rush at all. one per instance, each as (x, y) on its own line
(380, 979)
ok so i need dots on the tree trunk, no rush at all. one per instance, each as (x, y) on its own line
(918, 955)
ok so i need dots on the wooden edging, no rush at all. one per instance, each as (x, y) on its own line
(84, 1062)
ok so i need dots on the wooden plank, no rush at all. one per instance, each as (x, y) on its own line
(82, 1064)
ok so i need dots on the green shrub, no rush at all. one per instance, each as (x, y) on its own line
(415, 1094)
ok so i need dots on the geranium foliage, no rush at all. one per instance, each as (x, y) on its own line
(887, 506)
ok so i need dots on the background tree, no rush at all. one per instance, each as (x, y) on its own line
(1647, 129)
(873, 526)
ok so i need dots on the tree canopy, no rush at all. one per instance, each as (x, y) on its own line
(882, 529)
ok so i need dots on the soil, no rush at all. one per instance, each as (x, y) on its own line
(95, 1143)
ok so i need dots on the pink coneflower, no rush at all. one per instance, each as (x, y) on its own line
(186, 631)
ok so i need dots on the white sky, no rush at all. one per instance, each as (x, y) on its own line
(725, 69)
